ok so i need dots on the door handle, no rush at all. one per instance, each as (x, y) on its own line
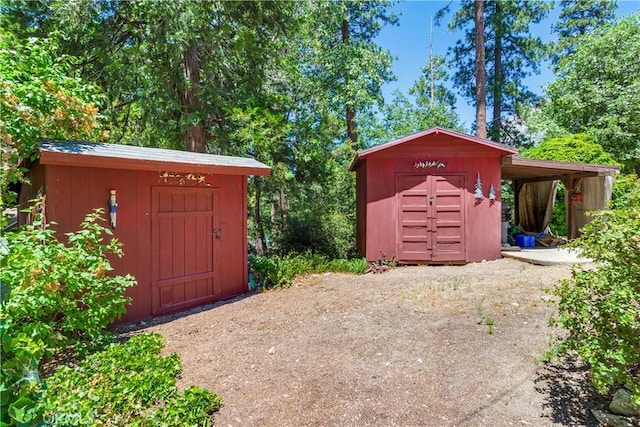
(218, 233)
(431, 199)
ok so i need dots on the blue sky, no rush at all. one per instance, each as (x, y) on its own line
(408, 42)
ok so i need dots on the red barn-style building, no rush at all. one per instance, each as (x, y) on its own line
(181, 216)
(432, 197)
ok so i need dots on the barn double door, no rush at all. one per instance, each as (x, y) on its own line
(431, 218)
(183, 247)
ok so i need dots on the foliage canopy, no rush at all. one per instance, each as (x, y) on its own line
(577, 18)
(594, 94)
(578, 148)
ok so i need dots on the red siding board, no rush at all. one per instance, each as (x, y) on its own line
(59, 200)
(244, 214)
(29, 191)
(361, 207)
(231, 222)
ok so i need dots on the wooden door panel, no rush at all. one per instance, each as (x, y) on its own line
(414, 226)
(431, 218)
(183, 247)
(448, 242)
(417, 231)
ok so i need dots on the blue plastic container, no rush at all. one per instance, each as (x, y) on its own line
(525, 241)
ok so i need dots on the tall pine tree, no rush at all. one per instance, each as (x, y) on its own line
(511, 53)
(577, 18)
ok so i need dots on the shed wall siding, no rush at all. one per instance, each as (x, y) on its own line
(72, 192)
(482, 220)
(29, 191)
(361, 207)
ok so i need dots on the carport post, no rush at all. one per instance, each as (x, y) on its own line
(571, 183)
(517, 187)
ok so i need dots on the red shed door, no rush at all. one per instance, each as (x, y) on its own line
(183, 251)
(431, 218)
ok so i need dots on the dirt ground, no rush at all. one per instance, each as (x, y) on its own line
(409, 347)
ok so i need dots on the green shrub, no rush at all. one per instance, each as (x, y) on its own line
(626, 187)
(579, 148)
(331, 234)
(55, 297)
(558, 224)
(127, 384)
(280, 271)
(193, 407)
(600, 308)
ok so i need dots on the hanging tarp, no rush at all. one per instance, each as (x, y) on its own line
(596, 194)
(535, 205)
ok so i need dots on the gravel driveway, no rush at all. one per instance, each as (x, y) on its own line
(409, 347)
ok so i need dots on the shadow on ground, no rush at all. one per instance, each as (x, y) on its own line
(125, 330)
(568, 396)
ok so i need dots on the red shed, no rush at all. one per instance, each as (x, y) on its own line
(432, 197)
(182, 216)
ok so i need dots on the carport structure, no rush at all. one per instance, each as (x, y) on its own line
(521, 171)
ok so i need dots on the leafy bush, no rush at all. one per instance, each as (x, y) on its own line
(579, 148)
(600, 308)
(54, 297)
(127, 384)
(40, 97)
(280, 271)
(328, 233)
(626, 187)
(558, 224)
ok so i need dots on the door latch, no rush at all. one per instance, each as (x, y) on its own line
(218, 233)
(431, 199)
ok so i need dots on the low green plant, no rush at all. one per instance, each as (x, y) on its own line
(280, 271)
(558, 224)
(456, 282)
(383, 260)
(489, 321)
(127, 384)
(600, 308)
(55, 298)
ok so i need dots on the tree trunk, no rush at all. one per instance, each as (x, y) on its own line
(481, 96)
(282, 206)
(195, 135)
(194, 138)
(496, 121)
(351, 114)
(351, 128)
